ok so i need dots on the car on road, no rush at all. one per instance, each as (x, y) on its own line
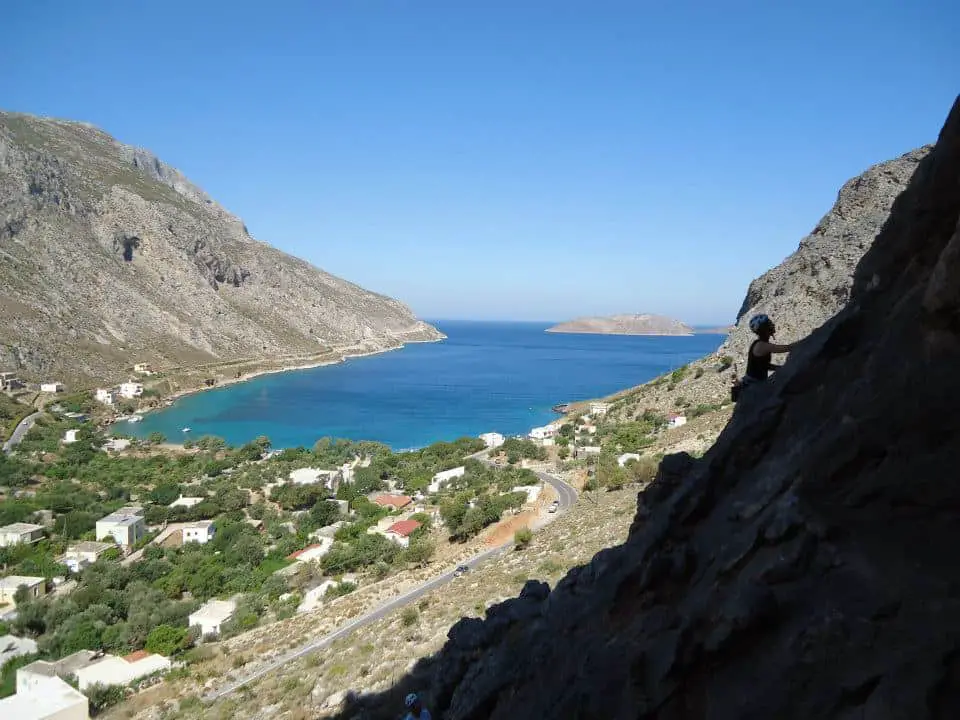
(461, 569)
(554, 506)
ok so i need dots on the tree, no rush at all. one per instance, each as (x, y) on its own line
(102, 697)
(419, 552)
(522, 538)
(166, 640)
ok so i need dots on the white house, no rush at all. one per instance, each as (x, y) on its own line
(20, 533)
(627, 457)
(543, 433)
(10, 381)
(312, 552)
(12, 646)
(51, 387)
(125, 526)
(142, 369)
(105, 396)
(36, 587)
(599, 409)
(70, 437)
(675, 421)
(41, 695)
(198, 532)
(400, 532)
(211, 615)
(492, 439)
(312, 476)
(442, 478)
(131, 390)
(81, 554)
(187, 502)
(330, 530)
(113, 670)
(589, 450)
(532, 491)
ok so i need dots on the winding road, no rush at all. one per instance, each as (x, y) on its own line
(22, 428)
(567, 496)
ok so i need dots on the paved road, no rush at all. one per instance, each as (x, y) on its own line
(22, 428)
(567, 496)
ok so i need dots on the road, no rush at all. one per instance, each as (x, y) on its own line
(567, 496)
(22, 428)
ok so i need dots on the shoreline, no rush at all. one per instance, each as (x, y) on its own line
(169, 400)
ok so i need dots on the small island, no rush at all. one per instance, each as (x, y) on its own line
(624, 325)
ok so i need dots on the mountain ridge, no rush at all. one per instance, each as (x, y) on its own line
(624, 324)
(110, 257)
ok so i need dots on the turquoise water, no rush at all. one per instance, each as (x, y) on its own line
(501, 377)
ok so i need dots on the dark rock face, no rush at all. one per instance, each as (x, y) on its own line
(805, 567)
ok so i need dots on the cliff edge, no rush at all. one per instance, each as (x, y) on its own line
(804, 566)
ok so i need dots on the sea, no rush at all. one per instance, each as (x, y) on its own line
(485, 377)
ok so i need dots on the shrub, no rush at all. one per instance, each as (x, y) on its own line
(725, 362)
(102, 697)
(409, 617)
(522, 538)
(166, 640)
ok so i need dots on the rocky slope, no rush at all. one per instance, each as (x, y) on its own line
(802, 568)
(624, 325)
(109, 257)
(801, 293)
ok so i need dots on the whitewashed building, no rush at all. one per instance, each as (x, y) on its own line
(492, 439)
(36, 587)
(105, 396)
(675, 421)
(116, 444)
(70, 437)
(81, 554)
(588, 450)
(442, 478)
(130, 390)
(113, 670)
(211, 615)
(51, 387)
(599, 409)
(20, 533)
(544, 435)
(142, 369)
(187, 502)
(41, 695)
(201, 532)
(125, 526)
(313, 476)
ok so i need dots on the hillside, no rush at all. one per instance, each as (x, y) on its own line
(109, 257)
(798, 569)
(624, 325)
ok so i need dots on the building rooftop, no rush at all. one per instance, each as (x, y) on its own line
(89, 546)
(20, 527)
(12, 582)
(12, 646)
(215, 611)
(395, 500)
(124, 516)
(403, 528)
(45, 697)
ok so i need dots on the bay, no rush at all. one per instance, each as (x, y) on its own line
(485, 376)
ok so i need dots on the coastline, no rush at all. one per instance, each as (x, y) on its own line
(629, 334)
(344, 354)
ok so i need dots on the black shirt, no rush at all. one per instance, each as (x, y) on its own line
(758, 367)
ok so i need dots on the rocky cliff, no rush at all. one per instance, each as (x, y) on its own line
(108, 257)
(624, 325)
(803, 568)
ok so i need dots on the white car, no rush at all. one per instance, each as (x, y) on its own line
(554, 506)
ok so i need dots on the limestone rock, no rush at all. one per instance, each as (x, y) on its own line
(109, 257)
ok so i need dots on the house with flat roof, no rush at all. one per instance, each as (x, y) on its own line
(70, 437)
(313, 476)
(312, 552)
(187, 502)
(114, 670)
(199, 532)
(12, 646)
(599, 409)
(212, 615)
(627, 457)
(9, 381)
(36, 587)
(674, 420)
(51, 387)
(492, 439)
(20, 533)
(442, 478)
(125, 526)
(130, 390)
(84, 553)
(41, 695)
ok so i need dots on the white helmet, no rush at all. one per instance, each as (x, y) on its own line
(757, 322)
(411, 700)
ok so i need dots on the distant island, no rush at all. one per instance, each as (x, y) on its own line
(624, 325)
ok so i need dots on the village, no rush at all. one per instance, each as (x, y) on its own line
(223, 539)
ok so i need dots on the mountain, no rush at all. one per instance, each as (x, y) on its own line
(801, 568)
(624, 325)
(108, 257)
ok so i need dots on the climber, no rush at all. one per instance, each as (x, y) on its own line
(416, 710)
(759, 355)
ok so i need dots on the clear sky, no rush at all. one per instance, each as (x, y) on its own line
(506, 159)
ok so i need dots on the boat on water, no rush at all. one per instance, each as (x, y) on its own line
(561, 408)
(186, 430)
(135, 418)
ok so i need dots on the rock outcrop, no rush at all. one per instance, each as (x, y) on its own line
(109, 257)
(804, 568)
(624, 325)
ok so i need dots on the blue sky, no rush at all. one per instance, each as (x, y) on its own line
(506, 160)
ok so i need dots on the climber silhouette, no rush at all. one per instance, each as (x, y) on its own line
(760, 355)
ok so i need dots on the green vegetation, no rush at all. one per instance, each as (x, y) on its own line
(725, 362)
(516, 450)
(522, 538)
(410, 617)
